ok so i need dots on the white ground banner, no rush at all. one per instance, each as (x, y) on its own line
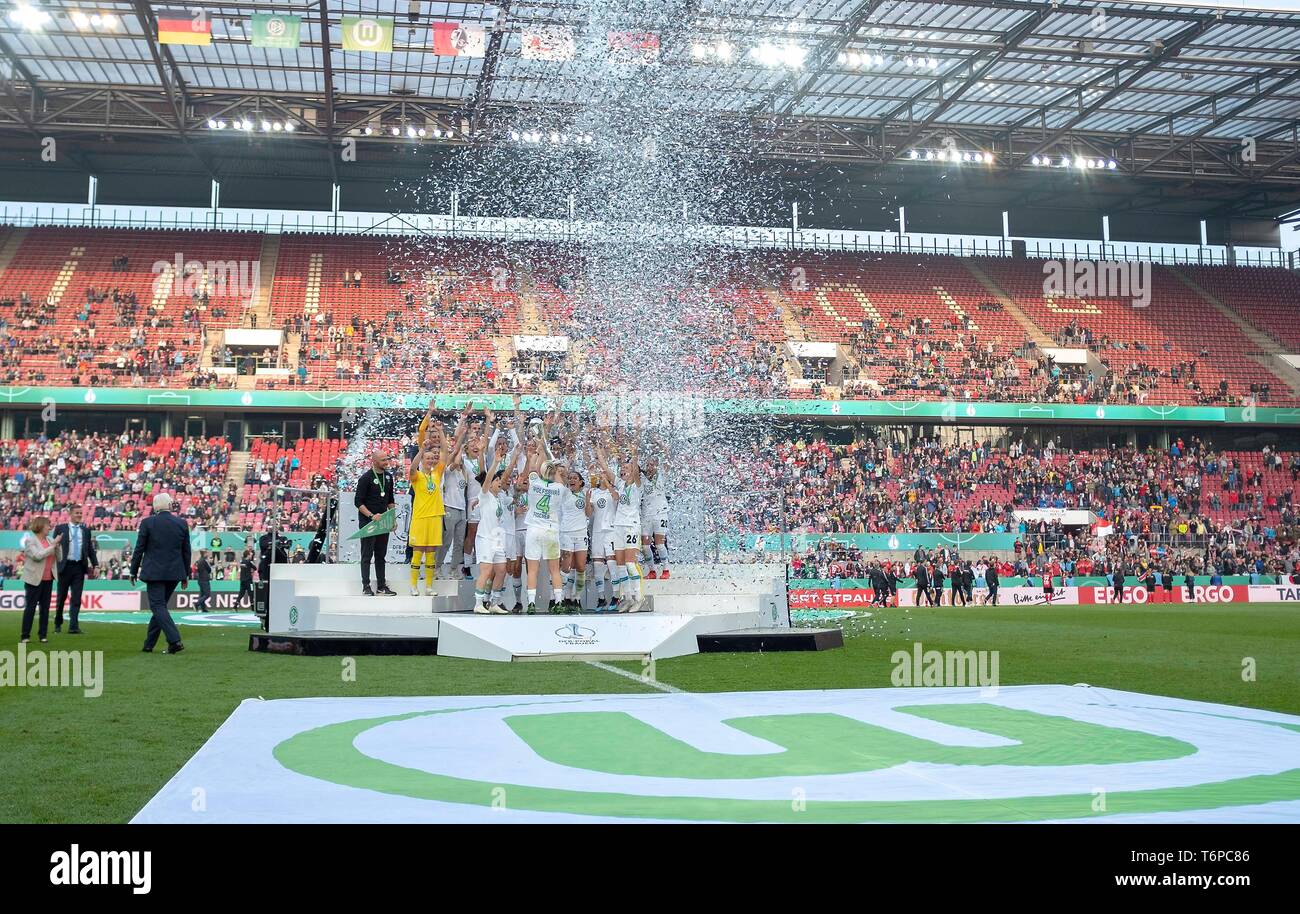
(1016, 754)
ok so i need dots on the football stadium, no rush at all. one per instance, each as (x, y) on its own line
(629, 411)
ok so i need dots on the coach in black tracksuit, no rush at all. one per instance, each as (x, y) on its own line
(203, 574)
(246, 569)
(922, 584)
(375, 495)
(991, 579)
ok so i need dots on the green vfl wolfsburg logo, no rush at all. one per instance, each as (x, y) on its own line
(890, 755)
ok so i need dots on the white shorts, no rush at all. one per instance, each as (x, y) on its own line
(574, 541)
(542, 544)
(491, 550)
(602, 544)
(512, 545)
(520, 537)
(475, 515)
(626, 538)
(655, 526)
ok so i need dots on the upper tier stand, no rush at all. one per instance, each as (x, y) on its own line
(695, 600)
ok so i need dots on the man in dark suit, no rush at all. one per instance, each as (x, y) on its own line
(162, 560)
(203, 574)
(77, 558)
(375, 495)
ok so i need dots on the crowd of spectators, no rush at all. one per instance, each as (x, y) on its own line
(114, 477)
(1187, 497)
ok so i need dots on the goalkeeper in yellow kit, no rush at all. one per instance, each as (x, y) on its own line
(430, 462)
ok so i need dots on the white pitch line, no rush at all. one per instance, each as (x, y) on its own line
(661, 686)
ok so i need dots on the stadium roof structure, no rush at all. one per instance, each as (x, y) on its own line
(1197, 107)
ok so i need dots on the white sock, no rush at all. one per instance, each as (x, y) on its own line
(614, 575)
(633, 585)
(567, 587)
(532, 596)
(499, 597)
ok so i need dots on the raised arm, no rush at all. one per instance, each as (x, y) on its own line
(451, 452)
(496, 468)
(435, 437)
(424, 425)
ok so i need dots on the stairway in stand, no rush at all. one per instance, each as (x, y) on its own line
(260, 306)
(1034, 333)
(10, 240)
(1268, 352)
(235, 470)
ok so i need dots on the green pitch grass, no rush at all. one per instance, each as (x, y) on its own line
(67, 758)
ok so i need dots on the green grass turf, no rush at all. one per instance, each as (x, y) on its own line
(67, 758)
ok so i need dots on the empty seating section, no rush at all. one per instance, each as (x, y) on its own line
(1268, 298)
(65, 268)
(833, 295)
(919, 326)
(434, 328)
(1177, 328)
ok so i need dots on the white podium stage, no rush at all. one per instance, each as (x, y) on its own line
(326, 601)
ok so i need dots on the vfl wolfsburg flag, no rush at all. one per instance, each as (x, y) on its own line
(382, 524)
(368, 33)
(271, 30)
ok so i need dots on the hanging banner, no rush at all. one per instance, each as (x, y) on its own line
(633, 47)
(547, 42)
(368, 33)
(455, 39)
(184, 27)
(271, 30)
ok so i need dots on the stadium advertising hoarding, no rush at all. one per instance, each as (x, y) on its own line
(213, 540)
(882, 410)
(120, 596)
(118, 600)
(857, 594)
(873, 542)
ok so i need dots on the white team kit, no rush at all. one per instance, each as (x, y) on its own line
(542, 541)
(490, 541)
(573, 524)
(654, 505)
(472, 488)
(602, 524)
(627, 516)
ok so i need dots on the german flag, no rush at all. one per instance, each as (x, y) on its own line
(184, 27)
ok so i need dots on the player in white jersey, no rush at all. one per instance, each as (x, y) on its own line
(627, 539)
(519, 485)
(453, 519)
(542, 542)
(603, 500)
(490, 542)
(575, 515)
(472, 464)
(654, 518)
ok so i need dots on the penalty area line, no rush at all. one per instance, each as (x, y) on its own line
(653, 683)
